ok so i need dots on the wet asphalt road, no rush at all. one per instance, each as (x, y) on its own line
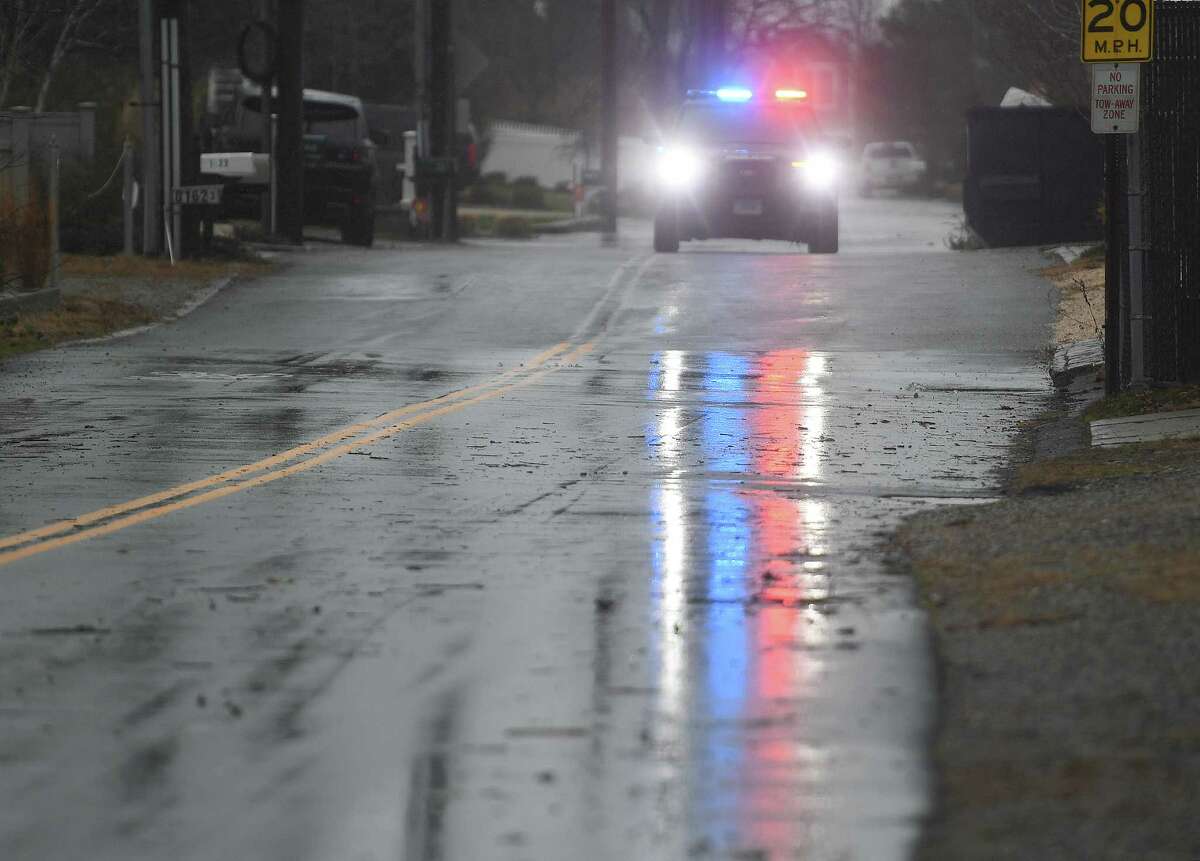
(603, 581)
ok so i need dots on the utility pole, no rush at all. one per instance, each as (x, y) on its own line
(438, 132)
(266, 12)
(1113, 330)
(189, 154)
(609, 141)
(169, 102)
(289, 147)
(151, 167)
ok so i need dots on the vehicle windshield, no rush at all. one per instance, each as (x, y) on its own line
(320, 118)
(889, 150)
(734, 124)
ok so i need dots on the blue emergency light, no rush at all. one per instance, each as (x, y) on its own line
(734, 94)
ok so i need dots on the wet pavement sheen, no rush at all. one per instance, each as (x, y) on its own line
(631, 602)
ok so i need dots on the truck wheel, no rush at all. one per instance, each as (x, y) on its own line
(825, 238)
(666, 233)
(359, 227)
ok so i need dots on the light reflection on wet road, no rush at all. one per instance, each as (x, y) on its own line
(635, 607)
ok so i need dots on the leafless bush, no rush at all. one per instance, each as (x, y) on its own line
(24, 243)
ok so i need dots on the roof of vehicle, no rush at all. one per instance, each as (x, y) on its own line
(877, 147)
(249, 88)
(878, 144)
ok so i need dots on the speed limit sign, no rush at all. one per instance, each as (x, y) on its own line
(1118, 31)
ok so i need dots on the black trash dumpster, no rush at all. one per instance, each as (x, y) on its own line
(1036, 176)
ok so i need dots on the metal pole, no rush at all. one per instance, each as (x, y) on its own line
(1137, 259)
(442, 110)
(273, 214)
(422, 145)
(267, 110)
(164, 86)
(151, 178)
(187, 153)
(55, 248)
(609, 142)
(1112, 267)
(176, 138)
(127, 196)
(289, 144)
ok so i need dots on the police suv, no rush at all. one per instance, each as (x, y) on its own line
(746, 164)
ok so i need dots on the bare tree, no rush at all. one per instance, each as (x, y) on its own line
(23, 23)
(72, 19)
(758, 21)
(1036, 41)
(859, 20)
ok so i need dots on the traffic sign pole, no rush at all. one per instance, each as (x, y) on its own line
(1116, 33)
(1112, 268)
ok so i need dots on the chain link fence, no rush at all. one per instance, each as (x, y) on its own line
(1171, 197)
(1163, 188)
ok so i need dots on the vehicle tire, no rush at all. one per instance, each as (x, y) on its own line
(825, 238)
(666, 233)
(359, 227)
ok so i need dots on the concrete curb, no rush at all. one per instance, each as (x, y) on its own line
(46, 299)
(1076, 357)
(571, 225)
(1156, 427)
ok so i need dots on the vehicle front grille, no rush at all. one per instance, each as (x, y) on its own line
(754, 178)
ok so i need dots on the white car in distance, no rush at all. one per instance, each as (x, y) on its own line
(891, 165)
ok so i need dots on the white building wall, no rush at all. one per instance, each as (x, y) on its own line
(520, 149)
(551, 154)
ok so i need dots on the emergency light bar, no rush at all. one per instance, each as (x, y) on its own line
(740, 95)
(734, 94)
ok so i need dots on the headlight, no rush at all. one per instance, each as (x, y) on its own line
(679, 167)
(820, 171)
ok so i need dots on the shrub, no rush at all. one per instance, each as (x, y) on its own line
(525, 181)
(90, 217)
(24, 244)
(483, 195)
(496, 177)
(513, 227)
(528, 197)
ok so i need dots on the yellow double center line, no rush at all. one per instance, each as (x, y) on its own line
(302, 458)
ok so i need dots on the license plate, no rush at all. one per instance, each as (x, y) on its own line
(197, 195)
(747, 207)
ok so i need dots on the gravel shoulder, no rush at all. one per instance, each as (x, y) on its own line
(103, 296)
(1066, 623)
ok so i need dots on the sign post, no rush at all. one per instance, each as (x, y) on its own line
(1116, 35)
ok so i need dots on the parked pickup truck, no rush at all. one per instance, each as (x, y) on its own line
(340, 176)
